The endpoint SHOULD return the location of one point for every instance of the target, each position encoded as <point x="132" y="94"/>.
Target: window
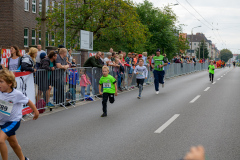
<point x="33" y="37"/>
<point x="39" y="37"/>
<point x="26" y="5"/>
<point x="34" y="6"/>
<point x="53" y="40"/>
<point x="47" y="5"/>
<point x="25" y="37"/>
<point x="40" y="5"/>
<point x="47" y="39"/>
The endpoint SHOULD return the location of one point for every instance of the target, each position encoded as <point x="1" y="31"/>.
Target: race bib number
<point x="6" y="107"/>
<point x="106" y="85"/>
<point x="140" y="73"/>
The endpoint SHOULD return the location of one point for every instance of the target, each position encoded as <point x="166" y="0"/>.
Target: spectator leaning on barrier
<point x="38" y="59"/>
<point x="73" y="80"/>
<point x="93" y="62"/>
<point x="46" y="79"/>
<point x="14" y="62"/>
<point x="158" y="63"/>
<point x="61" y="63"/>
<point x="28" y="60"/>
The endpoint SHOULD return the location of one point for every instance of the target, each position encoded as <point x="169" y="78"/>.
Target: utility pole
<point x="43" y="25"/>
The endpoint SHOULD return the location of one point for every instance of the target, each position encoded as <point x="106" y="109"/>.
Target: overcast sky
<point x="219" y="19"/>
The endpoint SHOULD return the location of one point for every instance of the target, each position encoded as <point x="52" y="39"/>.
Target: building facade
<point x="195" y="41"/>
<point x="18" y="24"/>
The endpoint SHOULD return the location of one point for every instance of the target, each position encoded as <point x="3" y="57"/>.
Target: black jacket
<point x="45" y="64"/>
<point x="27" y="63"/>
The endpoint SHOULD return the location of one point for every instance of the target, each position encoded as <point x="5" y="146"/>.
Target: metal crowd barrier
<point x="63" y="88"/>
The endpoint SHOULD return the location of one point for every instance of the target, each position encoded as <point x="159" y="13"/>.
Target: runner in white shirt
<point x="141" y="72"/>
<point x="11" y="104"/>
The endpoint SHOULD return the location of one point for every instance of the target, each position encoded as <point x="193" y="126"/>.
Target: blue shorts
<point x="10" y="128"/>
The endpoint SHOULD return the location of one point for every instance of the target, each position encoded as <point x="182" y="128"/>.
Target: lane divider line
<point x="214" y="82"/>
<point x="218" y="79"/>
<point x="192" y="101"/>
<point x="207" y="89"/>
<point x="165" y="125"/>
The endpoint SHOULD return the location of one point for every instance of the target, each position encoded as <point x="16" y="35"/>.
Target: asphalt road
<point x="128" y="133"/>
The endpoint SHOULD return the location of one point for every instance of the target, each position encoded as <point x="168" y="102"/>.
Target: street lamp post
<point x="192" y="39"/>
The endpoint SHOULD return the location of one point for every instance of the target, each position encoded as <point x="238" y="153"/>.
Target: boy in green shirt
<point x="109" y="89"/>
<point x="211" y="69"/>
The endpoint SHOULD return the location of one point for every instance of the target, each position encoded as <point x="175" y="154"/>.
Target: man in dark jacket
<point x="94" y="73"/>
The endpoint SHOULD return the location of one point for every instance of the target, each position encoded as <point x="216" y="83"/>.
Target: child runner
<point x="11" y="102"/>
<point x="109" y="84"/>
<point x="211" y="69"/>
<point x="141" y="72"/>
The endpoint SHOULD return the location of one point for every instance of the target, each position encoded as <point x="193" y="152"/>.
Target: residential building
<point x="195" y="41"/>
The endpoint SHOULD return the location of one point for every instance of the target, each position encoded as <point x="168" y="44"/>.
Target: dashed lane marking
<point x="165" y="125"/>
<point x="192" y="101"/>
<point x="207" y="89"/>
<point x="218" y="79"/>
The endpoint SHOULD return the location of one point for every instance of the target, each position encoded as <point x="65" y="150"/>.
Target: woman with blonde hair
<point x="28" y="60"/>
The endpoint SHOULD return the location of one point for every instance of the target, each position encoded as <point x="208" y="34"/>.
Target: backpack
<point x="40" y="105"/>
<point x="19" y="63"/>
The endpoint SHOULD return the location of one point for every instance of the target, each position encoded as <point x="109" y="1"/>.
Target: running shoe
<point x="49" y="104"/>
<point x="27" y="158"/>
<point x="157" y="92"/>
<point x="139" y="97"/>
<point x="104" y="115"/>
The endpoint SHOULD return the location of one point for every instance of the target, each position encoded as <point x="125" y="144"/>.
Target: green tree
<point x="161" y="25"/>
<point x="202" y="47"/>
<point x="183" y="44"/>
<point x="114" y="23"/>
<point x="225" y="55"/>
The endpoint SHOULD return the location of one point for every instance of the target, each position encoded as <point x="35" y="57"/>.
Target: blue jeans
<point x="119" y="80"/>
<point x="83" y="91"/>
<point x="158" y="78"/>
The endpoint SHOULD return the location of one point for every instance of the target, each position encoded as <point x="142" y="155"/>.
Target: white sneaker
<point x="157" y="92"/>
<point x="162" y="85"/>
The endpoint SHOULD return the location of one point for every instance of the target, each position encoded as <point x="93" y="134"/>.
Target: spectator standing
<point x="129" y="62"/>
<point x="107" y="60"/>
<point x="69" y="57"/>
<point x="158" y="63"/>
<point x="73" y="81"/>
<point x="14" y="62"/>
<point x="84" y="82"/>
<point x="28" y="60"/>
<point x="38" y="60"/>
<point x="144" y="57"/>
<point x="101" y="59"/>
<point x="62" y="65"/>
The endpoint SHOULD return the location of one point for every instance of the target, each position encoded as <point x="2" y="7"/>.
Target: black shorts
<point x="140" y="81"/>
<point x="10" y="128"/>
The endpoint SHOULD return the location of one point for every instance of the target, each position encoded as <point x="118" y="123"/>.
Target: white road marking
<point x="192" y="101"/>
<point x="165" y="125"/>
<point x="207" y="89"/>
<point x="218" y="79"/>
<point x="214" y="82"/>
